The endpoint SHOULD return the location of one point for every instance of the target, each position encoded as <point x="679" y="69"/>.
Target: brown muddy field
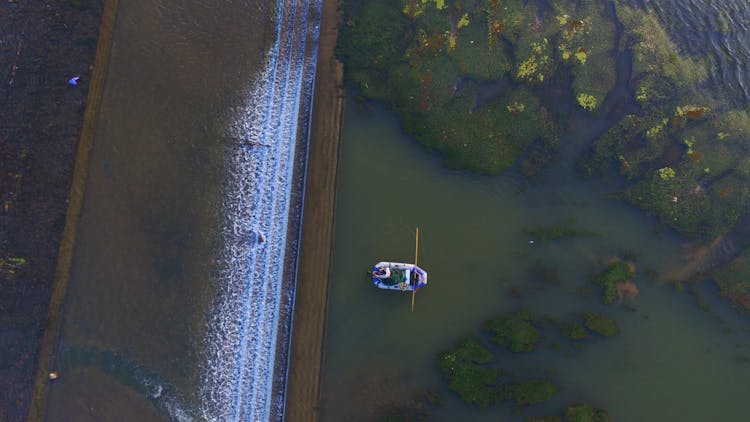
<point x="42" y="45"/>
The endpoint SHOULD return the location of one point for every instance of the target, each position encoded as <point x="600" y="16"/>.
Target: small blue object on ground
<point x="74" y="80"/>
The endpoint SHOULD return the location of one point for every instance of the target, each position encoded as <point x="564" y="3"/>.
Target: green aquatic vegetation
<point x="585" y="413"/>
<point x="572" y="330"/>
<point x="641" y="94"/>
<point x="600" y="324"/>
<point x="517" y="332"/>
<point x="575" y="413"/>
<point x="516" y="107"/>
<point x="465" y="369"/>
<point x="586" y="101"/>
<point x="694" y="202"/>
<point x="700" y="301"/>
<point x="417" y="406"/>
<point x="657" y="131"/>
<point x="689" y="143"/>
<point x="430" y="60"/>
<point x="622" y="145"/>
<point x="743" y="167"/>
<point x="471" y="369"/>
<point x="734" y="281"/>
<point x="666" y="173"/>
<point x="678" y="286"/>
<point x="535" y="67"/>
<point x="486" y="140"/>
<point x="365" y="42"/>
<point x="562" y="229"/>
<point x="615" y="272"/>
<point x="733" y="124"/>
<point x="531" y="392"/>
<point x="681" y="150"/>
<point x="691" y="111"/>
<point x="581" y="55"/>
<point x="662" y="71"/>
<point x="585" y="44"/>
<point x="478" y="57"/>
<point x="415" y="8"/>
<point x="464" y="21"/>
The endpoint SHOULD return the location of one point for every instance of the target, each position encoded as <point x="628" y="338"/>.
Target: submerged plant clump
<point x="417" y="407"/>
<point x="734" y="281"/>
<point x="467" y="367"/>
<point x="527" y="393"/>
<point x="601" y="324"/>
<point x="575" y="413"/>
<point x="516" y="332"/>
<point x="466" y="370"/>
<point x="617" y="272"/>
<point x="573" y="331"/>
<point x="557" y="231"/>
<point x="477" y="371"/>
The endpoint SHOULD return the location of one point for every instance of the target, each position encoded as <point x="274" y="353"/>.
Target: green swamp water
<point x="671" y="361"/>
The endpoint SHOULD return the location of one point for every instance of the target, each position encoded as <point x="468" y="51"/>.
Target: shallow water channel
<point x="671" y="360"/>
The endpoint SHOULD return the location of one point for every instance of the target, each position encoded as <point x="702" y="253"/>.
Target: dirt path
<point x="75" y="204"/>
<point x="303" y="384"/>
<point x="42" y="45"/>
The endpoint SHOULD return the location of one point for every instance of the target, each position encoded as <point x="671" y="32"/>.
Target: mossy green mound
<point x="516" y="332"/>
<point x="601" y="324"/>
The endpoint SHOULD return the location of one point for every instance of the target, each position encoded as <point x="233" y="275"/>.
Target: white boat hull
<point x="403" y="277"/>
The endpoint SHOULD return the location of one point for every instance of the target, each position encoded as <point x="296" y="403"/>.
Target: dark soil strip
<point x="303" y="379"/>
<point x="42" y="45"/>
<point x="75" y="203"/>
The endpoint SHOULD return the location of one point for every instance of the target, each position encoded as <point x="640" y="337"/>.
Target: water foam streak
<point x="241" y="344"/>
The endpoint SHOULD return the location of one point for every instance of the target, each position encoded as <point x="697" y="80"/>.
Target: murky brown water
<point x="141" y="278"/>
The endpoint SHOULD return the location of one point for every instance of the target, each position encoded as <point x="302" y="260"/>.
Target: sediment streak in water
<point x="241" y="344"/>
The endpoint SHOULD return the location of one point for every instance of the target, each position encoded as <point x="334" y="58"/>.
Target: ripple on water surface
<point x="715" y="32"/>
